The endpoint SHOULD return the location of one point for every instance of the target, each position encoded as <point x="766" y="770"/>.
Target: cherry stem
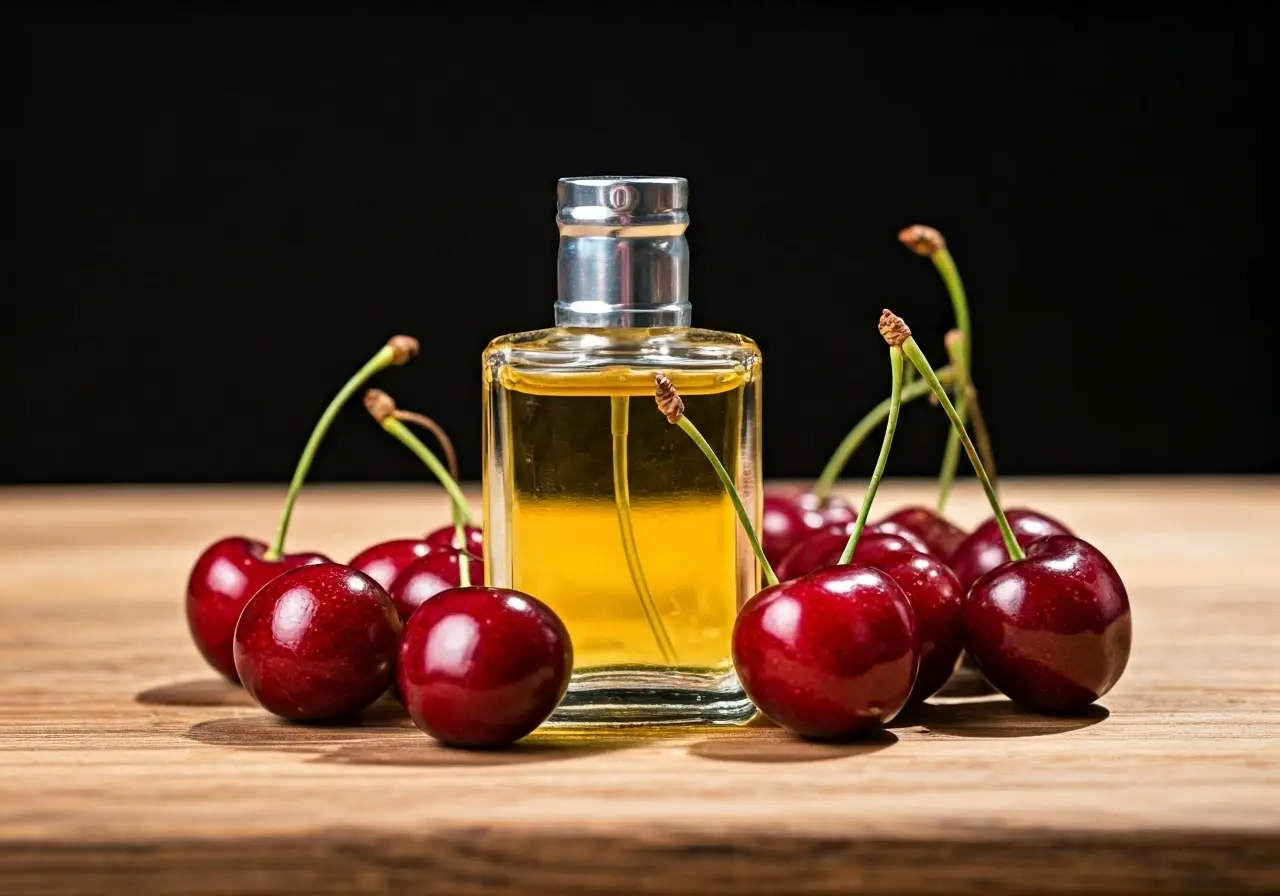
<point x="464" y="558"/>
<point x="385" y="357"/>
<point x="450" y="456"/>
<point x="963" y="364"/>
<point x="895" y="405"/>
<point x="916" y="357"/>
<point x="980" y="434"/>
<point x="864" y="427"/>
<point x="410" y="441"/>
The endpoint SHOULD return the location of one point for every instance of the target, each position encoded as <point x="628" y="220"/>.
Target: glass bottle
<point x="593" y="502"/>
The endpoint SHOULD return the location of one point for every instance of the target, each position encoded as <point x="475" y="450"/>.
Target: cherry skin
<point x="384" y="561"/>
<point x="984" y="549"/>
<point x="427" y="576"/>
<point x="482" y="667"/>
<point x="829" y="655"/>
<point x="936" y="599"/>
<point x="790" y="516"/>
<point x="225" y="577"/>
<point x="942" y="535"/>
<point x="318" y="643"/>
<point x="824" y="547"/>
<point x="443" y="538"/>
<point x="1051" y="631"/>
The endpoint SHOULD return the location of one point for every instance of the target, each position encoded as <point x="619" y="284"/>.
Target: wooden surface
<point x="126" y="766"/>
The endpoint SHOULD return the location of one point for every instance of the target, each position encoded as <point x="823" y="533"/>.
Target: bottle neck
<point x="622" y="277"/>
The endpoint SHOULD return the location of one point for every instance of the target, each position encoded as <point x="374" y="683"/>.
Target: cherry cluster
<point x="311" y="639"/>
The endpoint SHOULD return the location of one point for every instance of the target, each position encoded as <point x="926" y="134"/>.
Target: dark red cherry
<point x="824" y="548"/>
<point x="428" y="576"/>
<point x="482" y="667"/>
<point x="318" y="643"/>
<point x="937" y="600"/>
<point x="225" y="577"/>
<point x="1051" y="631"/>
<point x="384" y="561"/>
<point x="938" y="532"/>
<point x="789" y="516"/>
<point x="443" y="538"/>
<point x="829" y="655"/>
<point x="984" y="549"/>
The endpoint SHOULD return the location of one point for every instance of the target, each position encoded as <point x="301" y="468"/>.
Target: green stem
<point x="895" y="404"/>
<point x="379" y="362"/>
<point x="406" y="437"/>
<point x="916" y="356"/>
<point x="864" y="427"/>
<point x="692" y="431"/>
<point x="620" y="406"/>
<point x="457" y="513"/>
<point x="464" y="558"/>
<point x="946" y="266"/>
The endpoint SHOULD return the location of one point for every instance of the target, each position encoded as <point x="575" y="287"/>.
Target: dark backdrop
<point x="219" y="215"/>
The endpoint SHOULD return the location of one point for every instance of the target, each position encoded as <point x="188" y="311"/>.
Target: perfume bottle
<point x="593" y="502"/>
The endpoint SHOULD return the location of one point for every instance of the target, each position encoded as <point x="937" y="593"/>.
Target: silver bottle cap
<point x="624" y="260"/>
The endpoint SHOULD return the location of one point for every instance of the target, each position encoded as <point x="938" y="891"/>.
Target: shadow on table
<point x="994" y="717"/>
<point x="198" y="692"/>
<point x="777" y="746"/>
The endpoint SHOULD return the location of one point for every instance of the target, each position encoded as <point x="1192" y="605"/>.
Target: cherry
<point x="790" y="516"/>
<point x="825" y="547"/>
<point x="984" y="549"/>
<point x="384" y="561"/>
<point x="1051" y="631"/>
<point x="446" y="537"/>
<point x="225" y="576"/>
<point x="1050" y="627"/>
<point x="317" y="643"/>
<point x="230" y="571"/>
<point x="428" y="576"/>
<point x="938" y="532"/>
<point x="482" y="667"/>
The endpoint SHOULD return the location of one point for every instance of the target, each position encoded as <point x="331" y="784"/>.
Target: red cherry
<point x="984" y="549"/>
<point x="790" y="516"/>
<point x="828" y="655"/>
<point x="938" y="532"/>
<point x="481" y="667"/>
<point x="443" y="538"/>
<point x="317" y="643"/>
<point x="428" y="576"/>
<point x="385" y="560"/>
<point x="1052" y="631"/>
<point x="225" y="577"/>
<point x="824" y="548"/>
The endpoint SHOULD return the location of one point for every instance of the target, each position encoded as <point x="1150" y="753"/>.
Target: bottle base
<point x="618" y="696"/>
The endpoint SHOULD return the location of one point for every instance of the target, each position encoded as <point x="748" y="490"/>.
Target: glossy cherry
<point x="1051" y="631"/>
<point x="824" y="547"/>
<point x="225" y="577"/>
<point x="429" y="575"/>
<point x="318" y="643"/>
<point x="445" y="535"/>
<point x="384" y="561"/>
<point x="790" y="516"/>
<point x="984" y="549"/>
<point x="829" y="655"/>
<point x="482" y="667"/>
<point x="938" y="532"/>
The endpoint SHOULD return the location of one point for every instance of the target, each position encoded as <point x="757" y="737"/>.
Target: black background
<point x="221" y="214"/>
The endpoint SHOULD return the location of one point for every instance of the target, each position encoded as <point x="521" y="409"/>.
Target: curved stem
<point x="963" y="364"/>
<point x="620" y="407"/>
<point x="450" y="456"/>
<point x="983" y="437"/>
<point x="383" y="359"/>
<point x="913" y="353"/>
<point x="951" y="453"/>
<point x="406" y="437"/>
<point x="692" y="431"/>
<point x="895" y="404"/>
<point x="864" y="427"/>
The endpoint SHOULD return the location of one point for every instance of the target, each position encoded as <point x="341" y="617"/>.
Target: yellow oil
<point x="566" y="537"/>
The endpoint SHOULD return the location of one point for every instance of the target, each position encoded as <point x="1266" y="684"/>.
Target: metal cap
<point x="620" y="201"/>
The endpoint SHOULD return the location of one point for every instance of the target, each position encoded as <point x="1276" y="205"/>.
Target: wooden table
<point x="126" y="765"/>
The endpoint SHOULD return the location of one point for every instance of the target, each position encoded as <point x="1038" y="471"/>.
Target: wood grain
<point x="126" y="766"/>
